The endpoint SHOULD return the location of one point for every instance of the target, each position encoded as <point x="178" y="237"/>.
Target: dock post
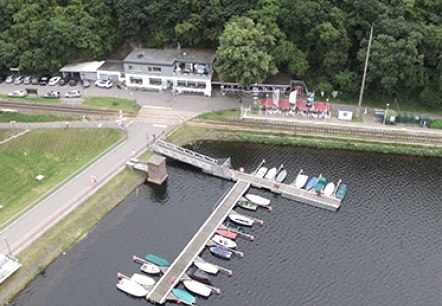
<point x="156" y="169"/>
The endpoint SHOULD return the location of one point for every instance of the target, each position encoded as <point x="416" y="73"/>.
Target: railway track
<point x="405" y="136"/>
<point x="66" y="109"/>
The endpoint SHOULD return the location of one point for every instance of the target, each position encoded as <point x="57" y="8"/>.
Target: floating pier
<point x="196" y="245"/>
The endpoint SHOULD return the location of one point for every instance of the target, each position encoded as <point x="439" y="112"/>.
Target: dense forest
<point x="321" y="41"/>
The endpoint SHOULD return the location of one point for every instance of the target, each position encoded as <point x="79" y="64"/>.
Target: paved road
<point x="36" y="221"/>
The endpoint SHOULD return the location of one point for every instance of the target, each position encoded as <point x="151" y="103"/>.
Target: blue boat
<point x="184" y="296"/>
<point x="311" y="183"/>
<point x="221" y="253"/>
<point x="159" y="261"/>
<point x="342" y="191"/>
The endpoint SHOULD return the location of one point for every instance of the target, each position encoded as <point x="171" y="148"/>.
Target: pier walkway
<point x="222" y="169"/>
<point x="176" y="271"/>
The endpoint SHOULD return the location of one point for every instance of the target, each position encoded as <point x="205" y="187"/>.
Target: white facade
<point x="345" y="114"/>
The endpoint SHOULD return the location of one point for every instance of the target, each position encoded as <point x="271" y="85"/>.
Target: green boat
<point x="235" y="227"/>
<point x="320" y="184"/>
<point x="342" y="191"/>
<point x="159" y="261"/>
<point x="247" y="205"/>
<point x="184" y="296"/>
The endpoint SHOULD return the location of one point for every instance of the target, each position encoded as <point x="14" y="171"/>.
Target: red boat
<point x="227" y="234"/>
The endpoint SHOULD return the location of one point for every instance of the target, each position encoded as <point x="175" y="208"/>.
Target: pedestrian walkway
<point x="163" y="115"/>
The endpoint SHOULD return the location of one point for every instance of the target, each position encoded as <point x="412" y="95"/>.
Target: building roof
<point x="82" y="67"/>
<point x="169" y="56"/>
<point x="111" y="65"/>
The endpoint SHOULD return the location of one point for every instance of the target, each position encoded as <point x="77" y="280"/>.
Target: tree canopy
<point x="321" y="41"/>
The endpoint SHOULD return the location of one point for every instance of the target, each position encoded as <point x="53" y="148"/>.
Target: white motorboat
<point x="329" y="189"/>
<point x="197" y="287"/>
<point x="301" y="180"/>
<point x="143" y="280"/>
<point x="261" y="172"/>
<point x="271" y="174"/>
<point x="225" y="242"/>
<point x="132" y="287"/>
<point x="257" y="199"/>
<point x="206" y="267"/>
<point x="242" y="220"/>
<point x="150" y="268"/>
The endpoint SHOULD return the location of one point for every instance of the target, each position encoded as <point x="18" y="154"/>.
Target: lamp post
<point x="385" y="112"/>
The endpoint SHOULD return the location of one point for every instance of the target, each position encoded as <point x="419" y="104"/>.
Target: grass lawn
<point x="30" y="99"/>
<point x="112" y="103"/>
<point x="4" y="134"/>
<point x="56" y="154"/>
<point x="22" y="117"/>
<point x="221" y="114"/>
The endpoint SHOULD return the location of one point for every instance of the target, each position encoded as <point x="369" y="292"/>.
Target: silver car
<point x="72" y="94"/>
<point x="18" y="94"/>
<point x="18" y="80"/>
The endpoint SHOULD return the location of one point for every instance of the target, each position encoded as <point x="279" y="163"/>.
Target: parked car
<point x="104" y="83"/>
<point x="73" y="81"/>
<point x="86" y="83"/>
<point x="18" y="94"/>
<point x="10" y="79"/>
<point x="65" y="80"/>
<point x="73" y="94"/>
<point x="54" y="81"/>
<point x="43" y="81"/>
<point x="27" y="80"/>
<point x="35" y="80"/>
<point x="19" y="80"/>
<point x="52" y="94"/>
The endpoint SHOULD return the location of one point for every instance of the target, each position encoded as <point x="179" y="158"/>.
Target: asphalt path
<point x="17" y="235"/>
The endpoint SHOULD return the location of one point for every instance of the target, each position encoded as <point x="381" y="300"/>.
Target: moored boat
<point x="257" y="199"/>
<point x="224" y="242"/>
<point x="261" y="172"/>
<point x="270" y="175"/>
<point x="235" y="227"/>
<point x="206" y="267"/>
<point x="300" y="180"/>
<point x="184" y="296"/>
<point x="150" y="268"/>
<point x="220" y="252"/>
<point x="131" y="287"/>
<point x="143" y="280"/>
<point x="311" y="183"/>
<point x="341" y="192"/>
<point x="199" y="275"/>
<point x="247" y="205"/>
<point x="281" y="176"/>
<point x="227" y="234"/>
<point x="157" y="260"/>
<point x="320" y="185"/>
<point x="197" y="287"/>
<point x="242" y="220"/>
<point x="329" y="189"/>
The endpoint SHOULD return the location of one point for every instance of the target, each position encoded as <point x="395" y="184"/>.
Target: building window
<point x="135" y="81"/>
<point x="129" y="67"/>
<point x="155" y="81"/>
<point x="153" y="69"/>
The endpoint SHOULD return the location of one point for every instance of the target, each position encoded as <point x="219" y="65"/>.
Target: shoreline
<point x="77" y="225"/>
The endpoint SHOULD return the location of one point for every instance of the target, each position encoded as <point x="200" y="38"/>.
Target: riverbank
<point x="200" y="131"/>
<point x="69" y="231"/>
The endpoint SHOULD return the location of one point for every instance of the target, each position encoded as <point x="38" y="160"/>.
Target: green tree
<point x="243" y="53"/>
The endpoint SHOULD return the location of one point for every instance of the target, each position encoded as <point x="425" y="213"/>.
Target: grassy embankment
<point x="56" y="154"/>
<point x="6" y="117"/>
<point x="108" y="103"/>
<point x="196" y="133"/>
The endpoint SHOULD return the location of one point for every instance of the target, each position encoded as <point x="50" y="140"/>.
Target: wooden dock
<point x="185" y="259"/>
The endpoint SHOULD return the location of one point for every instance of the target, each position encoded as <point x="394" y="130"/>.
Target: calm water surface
<point x="383" y="247"/>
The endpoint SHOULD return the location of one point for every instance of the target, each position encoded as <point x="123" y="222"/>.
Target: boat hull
<point x="281" y="176"/>
<point x="131" y="287"/>
<point x="311" y="183"/>
<point x="150" y="269"/>
<point x="206" y="267"/>
<point x="221" y="253"/>
<point x="197" y="288"/>
<point x="241" y="220"/>
<point x="301" y="180"/>
<point x="157" y="260"/>
<point x="329" y="189"/>
<point x="224" y="242"/>
<point x="227" y="234"/>
<point x="199" y="276"/>
<point x="257" y="199"/>
<point x="271" y="174"/>
<point x="261" y="172"/>
<point x="247" y="205"/>
<point x="184" y="296"/>
<point x="342" y="191"/>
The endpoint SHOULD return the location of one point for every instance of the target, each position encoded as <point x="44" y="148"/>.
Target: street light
<point x="385" y="112"/>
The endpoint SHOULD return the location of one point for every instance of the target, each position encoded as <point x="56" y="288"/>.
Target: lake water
<point x="383" y="247"/>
